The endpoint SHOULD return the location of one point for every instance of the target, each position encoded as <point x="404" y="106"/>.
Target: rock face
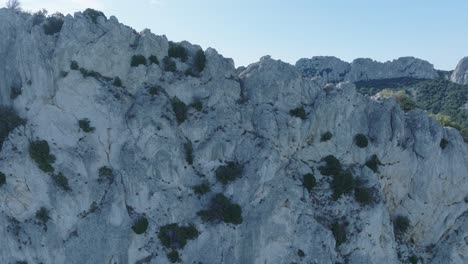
<point x="419" y="171"/>
<point x="332" y="69"/>
<point x="460" y="74"/>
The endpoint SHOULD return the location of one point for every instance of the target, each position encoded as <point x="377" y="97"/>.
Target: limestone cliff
<point x="128" y="139"/>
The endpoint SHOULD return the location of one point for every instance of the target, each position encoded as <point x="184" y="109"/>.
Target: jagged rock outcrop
<point x="460" y="74"/>
<point x="139" y="132"/>
<point x="332" y="69"/>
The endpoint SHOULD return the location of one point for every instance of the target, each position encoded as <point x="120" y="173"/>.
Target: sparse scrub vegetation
<point x="326" y="136"/>
<point x="298" y="112"/>
<point x="155" y="90"/>
<point x="332" y="166"/>
<point x="197" y="105"/>
<point x="39" y="152"/>
<point x="221" y="209"/>
<point x="401" y="97"/>
<point x="153" y="59"/>
<point x="443" y="143"/>
<point x="188" y="149"/>
<point x="309" y="181"/>
<point x="202" y="188"/>
<point x="93" y="14"/>
<point x="200" y="61"/>
<point x="61" y="181"/>
<point x="229" y="172"/>
<point x="173" y="236"/>
<point x="339" y="232"/>
<point x="15" y="91"/>
<point x="140" y="226"/>
<point x="2" y="179"/>
<point x="361" y="140"/>
<point x="138" y="60"/>
<point x="401" y="225"/>
<point x="106" y="174"/>
<point x="42" y="215"/>
<point x="74" y="66"/>
<point x="10" y="121"/>
<point x="177" y="51"/>
<point x="169" y="64"/>
<point x="364" y="195"/>
<point x="117" y="82"/>
<point x="343" y="183"/>
<point x="85" y="125"/>
<point x="53" y="24"/>
<point x="173" y="256"/>
<point x="180" y="110"/>
<point x="373" y="163"/>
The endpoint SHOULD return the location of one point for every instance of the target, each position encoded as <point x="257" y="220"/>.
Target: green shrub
<point x="74" y="66"/>
<point x="339" y="232"/>
<point x="173" y="256"/>
<point x="93" y="14"/>
<point x="169" y="64"/>
<point x="155" y="90"/>
<point x="85" y="125"/>
<point x="364" y="195"/>
<point x="15" y="91"/>
<point x="401" y="97"/>
<point x="298" y="112"/>
<point x="138" y="60"/>
<point x="39" y="17"/>
<point x="9" y="121"/>
<point x="222" y="209"/>
<point x="190" y="72"/>
<point x="401" y="224"/>
<point x="197" y="105"/>
<point x="443" y="143"/>
<point x="361" y="140"/>
<point x="106" y="174"/>
<point x="180" y="110"/>
<point x="229" y="172"/>
<point x="300" y="253"/>
<point x="140" y="226"/>
<point x="61" y="181"/>
<point x="343" y="183"/>
<point x="153" y="59"/>
<point x="332" y="166"/>
<point x="413" y="259"/>
<point x="326" y="136"/>
<point x="202" y="188"/>
<point x="373" y="163"/>
<point x="177" y="51"/>
<point x="39" y="152"/>
<point x="42" y="215"/>
<point x="53" y="24"/>
<point x="309" y="181"/>
<point x="2" y="179"/>
<point x="174" y="236"/>
<point x="63" y="74"/>
<point x="117" y="82"/>
<point x="188" y="149"/>
<point x="200" y="61"/>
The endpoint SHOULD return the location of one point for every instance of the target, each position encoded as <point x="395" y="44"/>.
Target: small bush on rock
<point x="339" y="232"/>
<point x="343" y="183"/>
<point x="197" y="105"/>
<point x="202" y="188"/>
<point x="138" y="60"/>
<point x="326" y="136"/>
<point x="15" y="91"/>
<point x="300" y="253"/>
<point x="85" y="125"/>
<point x="169" y="64"/>
<point x="298" y="112"/>
<point x="229" y="172"/>
<point x="39" y="152"/>
<point x="2" y="179"/>
<point x="117" y="82"/>
<point x="177" y="51"/>
<point x="39" y="17"/>
<point x="361" y="140"/>
<point x="443" y="143"/>
<point x="173" y="256"/>
<point x="155" y="90"/>
<point x="222" y="209"/>
<point x="413" y="259"/>
<point x="74" y="66"/>
<point x="200" y="61"/>
<point x="153" y="59"/>
<point x="106" y="174"/>
<point x="140" y="226"/>
<point x="309" y="181"/>
<point x="93" y="14"/>
<point x="332" y="166"/>
<point x="364" y="195"/>
<point x="53" y="24"/>
<point x="42" y="215"/>
<point x="401" y="224"/>
<point x="188" y="149"/>
<point x="9" y="121"/>
<point x="373" y="163"/>
<point x="61" y="181"/>
<point x="180" y="110"/>
<point x="174" y="236"/>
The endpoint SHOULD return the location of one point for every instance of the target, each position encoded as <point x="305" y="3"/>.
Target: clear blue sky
<point x="245" y="30"/>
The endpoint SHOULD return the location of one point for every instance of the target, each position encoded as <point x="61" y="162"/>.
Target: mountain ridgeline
<point x="119" y="146"/>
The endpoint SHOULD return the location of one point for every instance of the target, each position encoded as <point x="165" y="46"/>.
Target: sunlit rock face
<point x="267" y="118"/>
<point x="460" y="74"/>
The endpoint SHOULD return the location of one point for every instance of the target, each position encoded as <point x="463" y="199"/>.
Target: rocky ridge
<point x="267" y="118"/>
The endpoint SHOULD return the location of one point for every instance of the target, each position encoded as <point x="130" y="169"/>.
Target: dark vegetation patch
<point x="153" y="59"/>
<point x="93" y="14"/>
<point x="229" y="172"/>
<point x="177" y="51"/>
<point x="105" y="174"/>
<point x="373" y="163"/>
<point x="309" y="181"/>
<point x="197" y="105"/>
<point x="188" y="150"/>
<point x="53" y="24"/>
<point x="200" y="61"/>
<point x="342" y="184"/>
<point x="173" y="236"/>
<point x="9" y="121"/>
<point x="332" y="166"/>
<point x="39" y="151"/>
<point x="155" y="90"/>
<point x="221" y="209"/>
<point x="74" y="66"/>
<point x="202" y="188"/>
<point x="298" y="112"/>
<point x="169" y="64"/>
<point x="117" y="82"/>
<point x="401" y="225"/>
<point x="339" y="232"/>
<point x="361" y="140"/>
<point x="42" y="215"/>
<point x="2" y="179"/>
<point x="326" y="136"/>
<point x="140" y="225"/>
<point x="61" y="181"/>
<point x="15" y="91"/>
<point x="138" y="60"/>
<point x="85" y="125"/>
<point x="443" y="143"/>
<point x="180" y="110"/>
